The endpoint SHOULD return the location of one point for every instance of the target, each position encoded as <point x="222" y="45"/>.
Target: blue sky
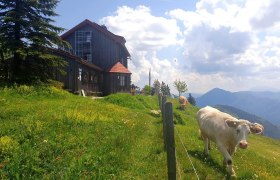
<point x="230" y="44"/>
<point x="96" y="9"/>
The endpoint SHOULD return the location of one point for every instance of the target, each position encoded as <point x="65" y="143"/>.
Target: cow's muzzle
<point x="243" y="145"/>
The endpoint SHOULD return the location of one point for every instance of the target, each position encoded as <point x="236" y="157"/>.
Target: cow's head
<point x="240" y="131"/>
<point x="255" y="128"/>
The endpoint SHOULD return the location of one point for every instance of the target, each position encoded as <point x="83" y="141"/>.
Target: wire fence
<point x="188" y="156"/>
<point x="178" y="167"/>
<point x="169" y="143"/>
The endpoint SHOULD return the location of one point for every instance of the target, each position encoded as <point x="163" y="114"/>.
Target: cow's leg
<point x="206" y="147"/>
<point x="230" y="151"/>
<point x="225" y="163"/>
<point x="227" y="159"/>
<point x="206" y="143"/>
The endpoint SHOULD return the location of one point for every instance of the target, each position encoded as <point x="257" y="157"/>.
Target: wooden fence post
<point x="170" y="143"/>
<point x="163" y="101"/>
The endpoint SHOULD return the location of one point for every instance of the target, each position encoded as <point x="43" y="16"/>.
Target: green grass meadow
<point x="47" y="133"/>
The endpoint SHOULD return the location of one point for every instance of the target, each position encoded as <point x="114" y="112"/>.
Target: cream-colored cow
<point x="226" y="131"/>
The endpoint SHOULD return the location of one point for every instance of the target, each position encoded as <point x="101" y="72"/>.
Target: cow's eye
<point x="237" y="131"/>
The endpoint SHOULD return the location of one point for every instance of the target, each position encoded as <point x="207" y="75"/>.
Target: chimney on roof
<point x="104" y="27"/>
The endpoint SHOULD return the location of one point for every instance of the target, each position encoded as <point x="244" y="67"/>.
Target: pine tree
<point x="168" y="91"/>
<point x="3" y="64"/>
<point x="191" y="100"/>
<point x="165" y="90"/>
<point x="162" y="88"/>
<point x="156" y="87"/>
<point x="27" y="32"/>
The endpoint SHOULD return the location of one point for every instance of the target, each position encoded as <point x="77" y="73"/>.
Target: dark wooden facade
<point x="117" y="78"/>
<point x="113" y="82"/>
<point x="106" y="48"/>
<point x="94" y="51"/>
<point x="80" y="74"/>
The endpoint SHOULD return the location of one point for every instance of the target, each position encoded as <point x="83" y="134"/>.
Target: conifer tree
<point x="168" y="91"/>
<point x="165" y="90"/>
<point x="156" y="87"/>
<point x="27" y="32"/>
<point x="162" y="88"/>
<point x="191" y="100"/>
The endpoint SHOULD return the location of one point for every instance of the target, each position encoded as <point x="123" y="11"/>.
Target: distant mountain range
<point x="269" y="129"/>
<point x="263" y="104"/>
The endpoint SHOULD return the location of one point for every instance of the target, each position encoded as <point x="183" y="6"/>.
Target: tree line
<point x="163" y="88"/>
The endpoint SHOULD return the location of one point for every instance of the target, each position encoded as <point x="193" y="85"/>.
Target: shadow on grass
<point x="210" y="162"/>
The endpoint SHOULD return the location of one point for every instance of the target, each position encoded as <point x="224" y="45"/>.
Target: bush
<point x="24" y="90"/>
<point x="178" y="119"/>
<point x="57" y="84"/>
<point x="7" y="146"/>
<point x="39" y="89"/>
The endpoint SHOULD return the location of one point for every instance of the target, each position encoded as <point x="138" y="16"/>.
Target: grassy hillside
<point x="48" y="133"/>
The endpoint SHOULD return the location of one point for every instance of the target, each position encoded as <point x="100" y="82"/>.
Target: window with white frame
<point x="83" y="45"/>
<point x="122" y="80"/>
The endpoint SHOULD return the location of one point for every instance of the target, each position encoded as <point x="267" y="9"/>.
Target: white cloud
<point x="231" y="44"/>
<point x="268" y="14"/>
<point x="145" y="35"/>
<point x="211" y="50"/>
<point x="239" y="15"/>
<point x="142" y="30"/>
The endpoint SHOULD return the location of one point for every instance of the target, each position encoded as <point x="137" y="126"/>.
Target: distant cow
<point x="183" y="102"/>
<point x="226" y="131"/>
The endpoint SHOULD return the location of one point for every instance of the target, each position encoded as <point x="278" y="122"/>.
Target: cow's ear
<point x="232" y="123"/>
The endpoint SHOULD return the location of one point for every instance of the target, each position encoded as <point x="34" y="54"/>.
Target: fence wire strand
<point x="177" y="164"/>
<point x="187" y="153"/>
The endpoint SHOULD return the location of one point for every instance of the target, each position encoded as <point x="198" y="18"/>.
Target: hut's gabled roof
<point x="118" y="39"/>
<point x="119" y="68"/>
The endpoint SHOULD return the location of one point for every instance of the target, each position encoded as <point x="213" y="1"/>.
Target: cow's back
<point x="212" y="122"/>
